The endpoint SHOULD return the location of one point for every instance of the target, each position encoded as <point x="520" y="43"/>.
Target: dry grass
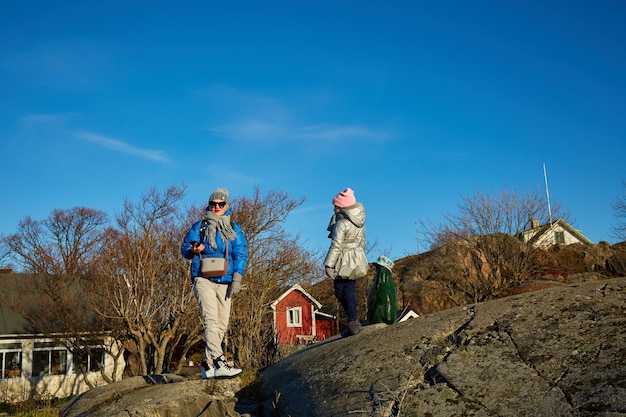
<point x="33" y="408"/>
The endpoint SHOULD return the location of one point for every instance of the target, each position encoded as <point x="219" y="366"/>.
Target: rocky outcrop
<point x="157" y="396"/>
<point x="554" y="352"/>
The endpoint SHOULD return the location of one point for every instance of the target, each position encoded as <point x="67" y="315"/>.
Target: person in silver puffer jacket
<point x="346" y="260"/>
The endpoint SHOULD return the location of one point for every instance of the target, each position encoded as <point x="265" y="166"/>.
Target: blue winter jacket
<point x="237" y="252"/>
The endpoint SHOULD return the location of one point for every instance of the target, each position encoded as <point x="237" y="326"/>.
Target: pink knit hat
<point x="345" y="198"/>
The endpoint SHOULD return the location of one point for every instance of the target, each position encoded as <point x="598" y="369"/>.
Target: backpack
<point x="382" y="303"/>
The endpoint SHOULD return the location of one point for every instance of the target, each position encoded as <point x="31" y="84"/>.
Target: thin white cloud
<point x="122" y="147"/>
<point x="252" y="117"/>
<point x="43" y="120"/>
<point x="332" y="132"/>
<point x="36" y="119"/>
<point x="308" y="209"/>
<point x="256" y="130"/>
<point x="251" y="130"/>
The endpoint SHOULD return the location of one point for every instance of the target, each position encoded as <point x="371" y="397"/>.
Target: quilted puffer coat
<point x="237" y="252"/>
<point x="347" y="249"/>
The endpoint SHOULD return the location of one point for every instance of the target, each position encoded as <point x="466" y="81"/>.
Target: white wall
<point x="548" y="238"/>
<point x="28" y="386"/>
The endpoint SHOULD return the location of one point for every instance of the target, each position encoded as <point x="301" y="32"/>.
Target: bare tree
<point x="62" y="245"/>
<point x="276" y="261"/>
<point x="5" y="253"/>
<point x="618" y="230"/>
<point x="58" y="254"/>
<point x="144" y="282"/>
<point x="131" y="280"/>
<point x="507" y="211"/>
<point x="484" y="233"/>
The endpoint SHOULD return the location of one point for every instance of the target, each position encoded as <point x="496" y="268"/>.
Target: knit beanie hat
<point x="220" y="194"/>
<point x="384" y="261"/>
<point x="345" y="198"/>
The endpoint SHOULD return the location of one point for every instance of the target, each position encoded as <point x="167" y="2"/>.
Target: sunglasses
<point x="220" y="204"/>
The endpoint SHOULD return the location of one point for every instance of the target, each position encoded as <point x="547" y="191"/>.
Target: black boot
<point x="354" y="327"/>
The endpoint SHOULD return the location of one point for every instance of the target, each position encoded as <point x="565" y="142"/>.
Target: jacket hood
<point x="355" y="213"/>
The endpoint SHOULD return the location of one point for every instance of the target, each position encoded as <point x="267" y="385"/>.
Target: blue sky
<point x="411" y="103"/>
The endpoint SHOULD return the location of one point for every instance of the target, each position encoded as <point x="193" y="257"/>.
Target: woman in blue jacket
<point x="216" y="237"/>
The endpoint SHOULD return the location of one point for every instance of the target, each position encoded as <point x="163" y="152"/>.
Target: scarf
<point x="218" y="223"/>
<point x="333" y="220"/>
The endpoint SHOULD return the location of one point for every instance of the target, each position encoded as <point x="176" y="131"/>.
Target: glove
<point x="330" y="272"/>
<point x="235" y="287"/>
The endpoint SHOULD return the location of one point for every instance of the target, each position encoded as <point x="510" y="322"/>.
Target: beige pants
<point x="215" y="309"/>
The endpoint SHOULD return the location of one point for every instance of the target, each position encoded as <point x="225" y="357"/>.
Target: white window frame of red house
<point x="294" y="321"/>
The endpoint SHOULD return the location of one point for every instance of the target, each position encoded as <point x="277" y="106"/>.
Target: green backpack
<point x="382" y="306"/>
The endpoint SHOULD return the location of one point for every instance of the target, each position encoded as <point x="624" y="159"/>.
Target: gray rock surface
<point x="157" y="396"/>
<point x="554" y="352"/>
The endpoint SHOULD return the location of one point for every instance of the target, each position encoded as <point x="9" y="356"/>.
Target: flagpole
<point x="545" y="176"/>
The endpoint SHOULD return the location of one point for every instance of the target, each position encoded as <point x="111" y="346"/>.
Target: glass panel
<point x="80" y="359"/>
<point x="59" y="362"/>
<point x="97" y="359"/>
<point x="44" y="345"/>
<point x="89" y="360"/>
<point x="559" y="237"/>
<point x="41" y="363"/>
<point x="10" y="346"/>
<point x="293" y="317"/>
<point x="11" y="364"/>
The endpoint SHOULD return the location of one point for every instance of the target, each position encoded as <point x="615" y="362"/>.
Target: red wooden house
<point x="297" y="318"/>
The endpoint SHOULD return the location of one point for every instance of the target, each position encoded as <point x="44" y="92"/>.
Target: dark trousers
<point x="345" y="290"/>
